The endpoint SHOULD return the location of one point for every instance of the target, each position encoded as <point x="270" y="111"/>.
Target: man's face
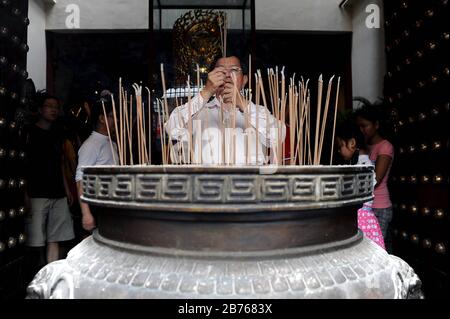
<point x="49" y="110"/>
<point x="231" y="67"/>
<point x="111" y="123"/>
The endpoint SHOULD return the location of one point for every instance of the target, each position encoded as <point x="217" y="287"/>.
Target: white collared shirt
<point x="208" y="138"/>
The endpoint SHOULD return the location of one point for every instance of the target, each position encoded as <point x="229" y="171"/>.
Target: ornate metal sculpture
<point x="224" y="232"/>
<point x="196" y="40"/>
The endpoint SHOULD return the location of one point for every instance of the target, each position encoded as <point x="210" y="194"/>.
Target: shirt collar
<point x="95" y="133"/>
<point x="213" y="103"/>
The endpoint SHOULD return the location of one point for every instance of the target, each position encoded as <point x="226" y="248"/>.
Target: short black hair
<point x="41" y="97"/>
<point x="97" y="109"/>
<point x="368" y="113"/>
<point x="242" y="61"/>
<point x="347" y="130"/>
<point x="374" y="112"/>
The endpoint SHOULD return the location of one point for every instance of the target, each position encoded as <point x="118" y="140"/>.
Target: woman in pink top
<point x="381" y="153"/>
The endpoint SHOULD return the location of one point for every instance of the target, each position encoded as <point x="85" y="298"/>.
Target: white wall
<point x="119" y="14"/>
<point x="368" y="56"/>
<point x="37" y="56"/>
<point x="101" y="14"/>
<point x="317" y="15"/>
<point x="368" y="59"/>
<point x="323" y="15"/>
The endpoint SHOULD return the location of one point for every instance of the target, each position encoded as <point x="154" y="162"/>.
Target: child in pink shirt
<point x="351" y="147"/>
<point x="381" y="153"/>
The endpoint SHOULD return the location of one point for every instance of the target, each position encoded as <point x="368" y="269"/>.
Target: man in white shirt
<point x="96" y="150"/>
<point x="212" y="120"/>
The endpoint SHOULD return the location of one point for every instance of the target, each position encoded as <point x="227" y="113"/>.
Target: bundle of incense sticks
<point x="131" y="125"/>
<point x="289" y="104"/>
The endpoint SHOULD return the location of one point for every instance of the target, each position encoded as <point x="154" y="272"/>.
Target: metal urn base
<point x="204" y="232"/>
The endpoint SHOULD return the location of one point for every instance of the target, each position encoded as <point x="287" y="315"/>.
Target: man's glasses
<point x="49" y="106"/>
<point x="235" y="70"/>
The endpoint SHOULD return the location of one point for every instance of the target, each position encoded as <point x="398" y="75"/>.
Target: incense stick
<point x="324" y="122"/>
<point x="221" y="33"/>
<point x="199" y="141"/>
<point x="319" y="106"/>
<point x="162" y="132"/>
<point x="120" y="132"/>
<point x="128" y="127"/>
<point x="191" y="148"/>
<point x="115" y="125"/>
<point x="166" y="109"/>
<point x="233" y="108"/>
<point x="308" y="103"/>
<point x="258" y="94"/>
<point x="222" y="131"/>
<point x="149" y="127"/>
<point x="109" y="133"/>
<point x="225" y="35"/>
<point x="294" y="124"/>
<point x="138" y="122"/>
<point x="334" y="121"/>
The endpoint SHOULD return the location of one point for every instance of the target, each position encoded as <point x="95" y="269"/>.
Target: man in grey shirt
<point x="96" y="150"/>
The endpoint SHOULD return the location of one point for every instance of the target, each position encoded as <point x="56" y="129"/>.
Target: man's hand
<point x="69" y="198"/>
<point x="216" y="79"/>
<point x="88" y="221"/>
<point x="231" y="94"/>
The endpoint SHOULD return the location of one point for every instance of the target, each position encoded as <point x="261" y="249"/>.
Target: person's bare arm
<point x="87" y="220"/>
<point x="381" y="167"/>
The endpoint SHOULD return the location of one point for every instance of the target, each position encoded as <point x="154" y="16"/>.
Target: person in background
<point x="369" y="118"/>
<point x="351" y="147"/>
<point x="47" y="197"/>
<point x="96" y="150"/>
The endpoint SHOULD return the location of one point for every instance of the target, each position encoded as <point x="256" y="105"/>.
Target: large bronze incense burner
<point x="227" y="232"/>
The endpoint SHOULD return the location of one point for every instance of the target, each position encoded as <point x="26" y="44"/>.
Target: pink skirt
<point x="368" y="223"/>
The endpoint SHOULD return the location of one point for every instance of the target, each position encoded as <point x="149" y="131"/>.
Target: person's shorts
<point x="49" y="221"/>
